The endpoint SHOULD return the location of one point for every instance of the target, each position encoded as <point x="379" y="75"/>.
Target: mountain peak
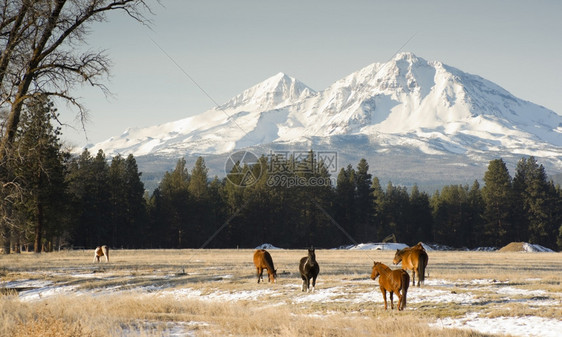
<point x="275" y="92"/>
<point x="406" y="55"/>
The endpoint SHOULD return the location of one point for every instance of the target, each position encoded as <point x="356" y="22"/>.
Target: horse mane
<point x="383" y="266"/>
<point x="268" y="261"/>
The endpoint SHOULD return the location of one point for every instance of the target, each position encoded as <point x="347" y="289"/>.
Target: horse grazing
<point x="309" y="269"/>
<point x="393" y="281"/>
<point x="101" y="251"/>
<point x="263" y="260"/>
<point x="414" y="258"/>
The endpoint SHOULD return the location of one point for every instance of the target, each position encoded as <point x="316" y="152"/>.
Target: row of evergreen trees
<point x="86" y="201"/>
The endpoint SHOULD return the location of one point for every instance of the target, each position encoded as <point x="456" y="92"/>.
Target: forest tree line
<point x="87" y="200"/>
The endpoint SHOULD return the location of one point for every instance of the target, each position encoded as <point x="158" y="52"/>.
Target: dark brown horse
<point x="393" y="281"/>
<point x="263" y="260"/>
<point x="413" y="258"/>
<point x="309" y="269"/>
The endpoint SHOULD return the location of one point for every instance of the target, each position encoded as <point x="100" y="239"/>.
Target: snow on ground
<point x="524" y="247"/>
<point x="267" y="246"/>
<point x="376" y="246"/>
<point x="529" y="247"/>
<point x="433" y="292"/>
<point x="516" y="326"/>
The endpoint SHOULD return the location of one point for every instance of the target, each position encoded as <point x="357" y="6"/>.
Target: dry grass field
<point x="215" y="292"/>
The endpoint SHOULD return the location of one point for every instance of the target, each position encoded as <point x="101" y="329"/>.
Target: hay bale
<point x="512" y="247"/>
<point x="524" y="247"/>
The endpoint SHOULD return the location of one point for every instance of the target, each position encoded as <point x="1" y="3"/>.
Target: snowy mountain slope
<point x="246" y="119"/>
<point x="419" y="106"/>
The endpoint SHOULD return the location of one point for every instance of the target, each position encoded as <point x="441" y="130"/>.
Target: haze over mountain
<point x="414" y="120"/>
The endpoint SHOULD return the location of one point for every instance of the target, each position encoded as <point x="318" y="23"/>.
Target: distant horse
<point x="393" y="281"/>
<point x="414" y="258"/>
<point x="309" y="269"/>
<point x="101" y="251"/>
<point x="263" y="260"/>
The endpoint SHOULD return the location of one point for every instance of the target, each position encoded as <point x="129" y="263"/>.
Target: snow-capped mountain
<point x="406" y="105"/>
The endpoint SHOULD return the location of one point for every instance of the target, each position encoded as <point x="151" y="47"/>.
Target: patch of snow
<point x="516" y="326"/>
<point x="321" y="295"/>
<point x="223" y="296"/>
<point x="41" y="293"/>
<point x="267" y="246"/>
<point x="421" y="294"/>
<point x="485" y="249"/>
<point x="529" y="247"/>
<point x="376" y="246"/>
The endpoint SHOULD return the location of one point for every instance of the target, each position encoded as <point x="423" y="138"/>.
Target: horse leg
<point x="414" y="277"/>
<point x="313" y="283"/>
<point x="383" y="291"/>
<point x="391" y="300"/>
<point x="259" y="273"/>
<point x="304" y="283"/>
<point x="399" y="300"/>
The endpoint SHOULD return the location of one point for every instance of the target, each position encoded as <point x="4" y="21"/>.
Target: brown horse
<point x="263" y="260"/>
<point x="394" y="281"/>
<point x="414" y="258"/>
<point x="101" y="251"/>
<point x="309" y="269"/>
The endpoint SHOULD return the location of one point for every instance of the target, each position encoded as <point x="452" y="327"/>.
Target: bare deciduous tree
<point x="39" y="40"/>
<point x="40" y="55"/>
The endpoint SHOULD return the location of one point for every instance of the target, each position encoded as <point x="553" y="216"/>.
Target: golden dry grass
<point x="212" y="292"/>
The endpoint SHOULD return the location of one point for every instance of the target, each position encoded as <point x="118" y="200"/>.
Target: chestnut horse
<point x="263" y="260"/>
<point x="101" y="251"/>
<point x="393" y="281"/>
<point x="309" y="269"/>
<point x="414" y="258"/>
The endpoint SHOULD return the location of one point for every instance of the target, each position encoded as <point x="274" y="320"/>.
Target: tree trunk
<point x="6" y="235"/>
<point x="38" y="229"/>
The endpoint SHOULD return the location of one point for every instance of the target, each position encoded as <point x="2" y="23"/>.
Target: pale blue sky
<point x="227" y="46"/>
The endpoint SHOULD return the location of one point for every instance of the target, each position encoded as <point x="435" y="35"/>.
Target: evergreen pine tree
<point x="174" y="189"/>
<point x="345" y="208"/>
<point x="498" y="196"/>
<point x="40" y="171"/>
<point x="378" y="207"/>
<point x="363" y="200"/>
<point x="536" y="199"/>
<point x="475" y="215"/>
<point x="422" y="218"/>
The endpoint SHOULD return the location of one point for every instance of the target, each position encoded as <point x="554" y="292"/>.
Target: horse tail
<point x="422" y="262"/>
<point x="405" y="285"/>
